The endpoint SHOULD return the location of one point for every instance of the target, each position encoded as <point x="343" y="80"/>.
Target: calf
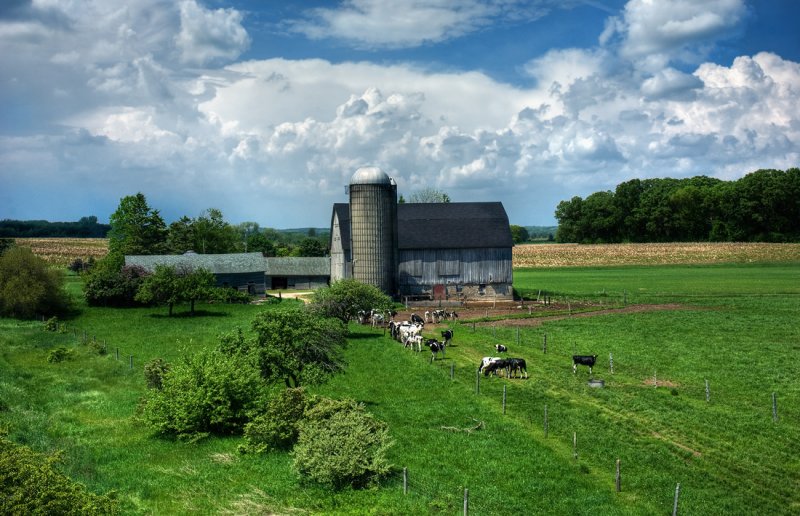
<point x="500" y="348"/>
<point x="587" y="360"/>
<point x="436" y="347"/>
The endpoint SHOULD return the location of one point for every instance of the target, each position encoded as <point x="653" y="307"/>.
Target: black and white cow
<point x="518" y="365"/>
<point x="417" y="319"/>
<point x="587" y="360"/>
<point x="485" y="361"/>
<point x="496" y="366"/>
<point x="436" y="347"/>
<point x="447" y="335"/>
<point x="500" y="348"/>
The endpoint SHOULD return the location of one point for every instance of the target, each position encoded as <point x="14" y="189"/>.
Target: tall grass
<point x="735" y="328"/>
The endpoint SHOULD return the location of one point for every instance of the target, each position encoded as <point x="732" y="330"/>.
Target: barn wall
<point x="242" y="279"/>
<point x="302" y="282"/>
<point x="428" y="267"/>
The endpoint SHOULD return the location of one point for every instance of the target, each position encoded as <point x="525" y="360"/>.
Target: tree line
<point x="86" y="227"/>
<point x="763" y="206"/>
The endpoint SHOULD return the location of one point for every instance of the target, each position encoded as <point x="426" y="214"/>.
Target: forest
<point x="763" y="206"/>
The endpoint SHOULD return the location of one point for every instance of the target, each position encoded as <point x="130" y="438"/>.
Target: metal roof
<point x="370" y="176"/>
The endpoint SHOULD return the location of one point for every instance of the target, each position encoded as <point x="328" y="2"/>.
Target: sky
<point x="265" y="109"/>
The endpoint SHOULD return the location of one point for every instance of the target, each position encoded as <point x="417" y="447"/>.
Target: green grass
<point x="737" y="329"/>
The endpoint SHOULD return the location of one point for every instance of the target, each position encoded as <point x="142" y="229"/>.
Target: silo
<point x="373" y="228"/>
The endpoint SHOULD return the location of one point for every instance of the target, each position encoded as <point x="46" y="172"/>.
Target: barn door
<point x="439" y="293"/>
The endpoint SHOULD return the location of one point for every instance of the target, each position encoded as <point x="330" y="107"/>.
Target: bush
<point x="341" y="444"/>
<point x="52" y="325"/>
<point x="110" y="283"/>
<point x="232" y="296"/>
<point x="60" y="354"/>
<point x="345" y="298"/>
<point x="154" y="372"/>
<point x="277" y="428"/>
<point x="29" y="287"/>
<point x="30" y="484"/>
<point x="207" y="393"/>
<point x="98" y="347"/>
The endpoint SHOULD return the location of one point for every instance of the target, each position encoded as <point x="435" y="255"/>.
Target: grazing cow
<point x="518" y="365"/>
<point x="447" y="335"/>
<point x="500" y="348"/>
<point x="427" y="316"/>
<point x="438" y="315"/>
<point x="486" y="361"/>
<point x="496" y="366"/>
<point x="413" y="341"/>
<point x="587" y="360"/>
<point x="436" y="347"/>
<point x="417" y="319"/>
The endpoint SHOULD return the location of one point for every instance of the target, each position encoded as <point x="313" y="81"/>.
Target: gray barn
<point x="445" y="251"/>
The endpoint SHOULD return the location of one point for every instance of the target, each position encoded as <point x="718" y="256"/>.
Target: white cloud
<point x="207" y="35"/>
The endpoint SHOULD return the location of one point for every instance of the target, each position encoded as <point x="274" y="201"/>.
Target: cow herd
<point x="409" y="333"/>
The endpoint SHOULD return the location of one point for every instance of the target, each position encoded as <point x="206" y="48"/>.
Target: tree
<point x="519" y="234"/>
<point x="181" y="236"/>
<point x="341" y="444"/>
<point x="29" y="287"/>
<point x="212" y="234"/>
<point x="136" y="229"/>
<point x="160" y="288"/>
<point x="311" y="247"/>
<point x="111" y="283"/>
<point x="6" y="243"/>
<point x="196" y="285"/>
<point x="429" y="195"/>
<point x="345" y="298"/>
<point x="298" y="346"/>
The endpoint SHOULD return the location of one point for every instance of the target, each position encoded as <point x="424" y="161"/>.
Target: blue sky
<point x="264" y="110"/>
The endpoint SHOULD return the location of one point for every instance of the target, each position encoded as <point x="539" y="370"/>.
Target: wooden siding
<point x="454" y="266"/>
<point x="242" y="280"/>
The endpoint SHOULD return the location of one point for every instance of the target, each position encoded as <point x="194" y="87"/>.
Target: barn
<point x="439" y="251"/>
<point x="243" y="271"/>
<point x="300" y="273"/>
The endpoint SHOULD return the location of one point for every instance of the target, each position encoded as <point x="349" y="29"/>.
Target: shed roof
<point x="215" y="263"/>
<point x="298" y="266"/>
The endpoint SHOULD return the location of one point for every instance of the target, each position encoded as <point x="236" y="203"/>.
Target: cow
<point x="417" y="319"/>
<point x="435" y="347"/>
<point x="518" y="365"/>
<point x="587" y="360"/>
<point x="500" y="348"/>
<point x="486" y="361"/>
<point x="447" y="335"/>
<point x="496" y="366"/>
<point x="413" y="340"/>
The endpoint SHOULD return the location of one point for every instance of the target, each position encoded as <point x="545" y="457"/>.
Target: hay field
<point x="580" y="255"/>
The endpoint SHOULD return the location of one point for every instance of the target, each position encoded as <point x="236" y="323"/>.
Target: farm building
<point x="301" y="273"/>
<point x="442" y="251"/>
<point x="244" y="271"/>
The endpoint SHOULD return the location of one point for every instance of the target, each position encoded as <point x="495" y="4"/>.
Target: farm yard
<point x="699" y="362"/>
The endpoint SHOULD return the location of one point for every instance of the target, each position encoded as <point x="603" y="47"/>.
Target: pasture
<point x="735" y="327"/>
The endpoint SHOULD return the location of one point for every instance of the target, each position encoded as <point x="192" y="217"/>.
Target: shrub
<point x="110" y="283"/>
<point x="345" y="298"/>
<point x="154" y="372"/>
<point x="29" y="287"/>
<point x="207" y="393"/>
<point x="52" y="325"/>
<point x="30" y="484"/>
<point x="60" y="354"/>
<point x="277" y="428"/>
<point x="98" y="347"/>
<point x="232" y="296"/>
<point x="341" y="444"/>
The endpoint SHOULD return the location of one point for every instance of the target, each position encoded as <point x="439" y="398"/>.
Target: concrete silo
<point x="373" y="228"/>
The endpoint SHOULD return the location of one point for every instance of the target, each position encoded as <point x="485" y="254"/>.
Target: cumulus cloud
<point x="208" y="35"/>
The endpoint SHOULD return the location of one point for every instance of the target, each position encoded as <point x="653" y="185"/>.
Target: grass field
<point x="736" y="327"/>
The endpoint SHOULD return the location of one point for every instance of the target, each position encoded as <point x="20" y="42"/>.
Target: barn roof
<point x="456" y="225"/>
<point x="215" y="263"/>
<point x="298" y="266"/>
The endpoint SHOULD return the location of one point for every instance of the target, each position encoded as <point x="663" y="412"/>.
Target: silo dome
<point x="370" y="176"/>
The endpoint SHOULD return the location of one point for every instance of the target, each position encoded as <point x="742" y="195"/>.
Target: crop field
<point x="63" y="251"/>
<point x="703" y="393"/>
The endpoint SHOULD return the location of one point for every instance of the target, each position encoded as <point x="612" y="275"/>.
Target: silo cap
<point x="370" y="176"/>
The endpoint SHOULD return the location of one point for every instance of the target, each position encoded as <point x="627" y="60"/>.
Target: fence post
<point x="575" y="445"/>
<point x="466" y="501"/>
<point x="405" y="481"/>
<point x="517" y="335"/>
<point x="504" y="399"/>
<point x="477" y="382"/>
<point x="708" y="392"/>
<point x="544" y="345"/>
<point x="452" y="370"/>
<point x="545" y="420"/>
<point x="611" y="363"/>
<point x="675" y="503"/>
<point x="131" y="361"/>
<point x="618" y="479"/>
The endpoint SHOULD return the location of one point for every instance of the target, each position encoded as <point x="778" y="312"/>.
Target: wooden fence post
<point x="708" y="392"/>
<point x="618" y="479"/>
<point x="405" y="481"/>
<point x="517" y="335"/>
<point x="774" y="408"/>
<point x="611" y="363"/>
<point x="504" y="399"/>
<point x="575" y="445"/>
<point x="477" y="382"/>
<point x="466" y="501"/>
<point x="131" y="361"/>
